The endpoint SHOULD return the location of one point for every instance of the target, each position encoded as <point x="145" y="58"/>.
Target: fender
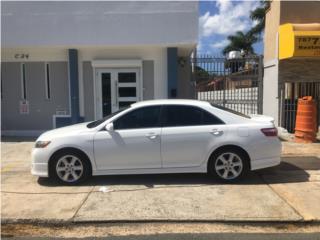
<point x="89" y="154"/>
<point x="216" y="146"/>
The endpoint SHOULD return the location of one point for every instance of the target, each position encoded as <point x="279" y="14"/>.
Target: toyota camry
<point x="159" y="136"/>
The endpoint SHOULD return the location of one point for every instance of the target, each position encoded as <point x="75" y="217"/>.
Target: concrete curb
<point x="51" y="222"/>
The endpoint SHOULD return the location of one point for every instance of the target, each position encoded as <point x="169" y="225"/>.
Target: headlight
<point x="42" y="144"/>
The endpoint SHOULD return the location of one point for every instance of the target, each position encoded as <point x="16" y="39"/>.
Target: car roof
<point x="170" y="102"/>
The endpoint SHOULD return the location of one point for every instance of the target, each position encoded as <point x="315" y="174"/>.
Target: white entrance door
<point x="115" y="89"/>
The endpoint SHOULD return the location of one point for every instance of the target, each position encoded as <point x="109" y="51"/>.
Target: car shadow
<point x="291" y="169"/>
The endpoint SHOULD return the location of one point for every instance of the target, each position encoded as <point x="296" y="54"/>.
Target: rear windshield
<point x="98" y="122"/>
<point x="229" y="110"/>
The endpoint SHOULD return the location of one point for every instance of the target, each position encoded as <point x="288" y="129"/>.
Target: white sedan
<point x="159" y="136"/>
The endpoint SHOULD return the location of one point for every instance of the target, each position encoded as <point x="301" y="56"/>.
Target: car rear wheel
<point x="70" y="167"/>
<point x="228" y="165"/>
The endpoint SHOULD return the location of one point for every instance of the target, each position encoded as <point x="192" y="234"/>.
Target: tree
<point x="241" y="42"/>
<point x="259" y="15"/>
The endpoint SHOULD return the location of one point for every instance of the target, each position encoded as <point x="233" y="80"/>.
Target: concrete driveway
<point x="289" y="192"/>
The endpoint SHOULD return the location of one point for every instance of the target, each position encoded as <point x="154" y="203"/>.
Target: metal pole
<point x="224" y="84"/>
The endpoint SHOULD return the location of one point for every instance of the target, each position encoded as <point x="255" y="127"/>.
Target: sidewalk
<point x="287" y="193"/>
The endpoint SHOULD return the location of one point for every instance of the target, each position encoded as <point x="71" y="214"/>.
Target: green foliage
<point x="241" y="41"/>
<point x="259" y="15"/>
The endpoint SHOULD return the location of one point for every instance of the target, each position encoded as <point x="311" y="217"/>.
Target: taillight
<point x="270" y="132"/>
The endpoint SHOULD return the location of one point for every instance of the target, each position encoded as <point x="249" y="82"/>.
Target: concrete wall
<point x="270" y="105"/>
<point x="88" y="92"/>
<point x="154" y="65"/>
<point x="95" y="23"/>
<point x="299" y="70"/>
<point x="41" y="109"/>
<point x="186" y="87"/>
<point x="270" y="91"/>
<point x="271" y="31"/>
<point x="148" y="79"/>
<point x="157" y="54"/>
<point x="300" y="12"/>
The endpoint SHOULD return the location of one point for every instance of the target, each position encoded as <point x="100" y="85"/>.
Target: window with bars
<point x="47" y="81"/>
<point x="23" y="82"/>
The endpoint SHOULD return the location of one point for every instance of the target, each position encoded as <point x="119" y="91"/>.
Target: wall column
<point x="74" y="85"/>
<point x="73" y="92"/>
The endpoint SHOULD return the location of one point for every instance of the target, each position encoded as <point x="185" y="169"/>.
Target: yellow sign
<point x="308" y="45"/>
<point x="299" y="40"/>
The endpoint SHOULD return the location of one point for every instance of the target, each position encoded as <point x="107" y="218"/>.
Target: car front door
<point x="188" y="134"/>
<point x="133" y="144"/>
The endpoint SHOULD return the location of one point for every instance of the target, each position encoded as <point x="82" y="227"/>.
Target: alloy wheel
<point x="228" y="166"/>
<point x="69" y="168"/>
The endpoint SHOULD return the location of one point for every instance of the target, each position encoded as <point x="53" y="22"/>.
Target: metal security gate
<point x="290" y="93"/>
<point x="232" y="83"/>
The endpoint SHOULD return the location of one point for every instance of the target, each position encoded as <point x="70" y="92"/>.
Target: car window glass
<point x="146" y="117"/>
<point x="188" y="116"/>
<point x="182" y="116"/>
<point x="210" y="119"/>
<point x="98" y="122"/>
<point x="230" y="110"/>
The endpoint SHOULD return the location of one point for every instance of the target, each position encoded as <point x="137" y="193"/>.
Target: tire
<point x="70" y="167"/>
<point x="228" y="165"/>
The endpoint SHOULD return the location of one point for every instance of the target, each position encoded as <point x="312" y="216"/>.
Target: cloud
<point x="230" y="17"/>
<point x="199" y="46"/>
<point x="219" y="44"/>
<point x="221" y="19"/>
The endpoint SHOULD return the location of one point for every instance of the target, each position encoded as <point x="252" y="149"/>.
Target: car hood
<point x="64" y="131"/>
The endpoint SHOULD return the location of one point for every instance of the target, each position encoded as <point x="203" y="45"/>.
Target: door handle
<point x="216" y="132"/>
<point x="151" y="135"/>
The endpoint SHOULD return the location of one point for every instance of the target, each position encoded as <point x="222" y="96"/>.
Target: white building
<point x="67" y="62"/>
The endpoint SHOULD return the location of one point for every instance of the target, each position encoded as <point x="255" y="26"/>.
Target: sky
<point x="221" y="18"/>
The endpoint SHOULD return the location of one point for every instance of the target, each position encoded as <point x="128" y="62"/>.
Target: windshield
<point x="98" y="122"/>
<point x="229" y="110"/>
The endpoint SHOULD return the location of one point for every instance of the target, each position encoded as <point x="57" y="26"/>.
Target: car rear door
<point x="188" y="134"/>
<point x="133" y="144"/>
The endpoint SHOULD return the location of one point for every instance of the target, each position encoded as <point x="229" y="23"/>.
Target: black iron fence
<point x="232" y="83"/>
<point x="290" y="93"/>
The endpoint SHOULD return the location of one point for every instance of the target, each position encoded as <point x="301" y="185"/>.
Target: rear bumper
<point x="266" y="152"/>
<point x="265" y="163"/>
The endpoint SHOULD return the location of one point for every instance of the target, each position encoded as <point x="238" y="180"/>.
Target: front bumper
<point x="39" y="164"/>
<point x="39" y="169"/>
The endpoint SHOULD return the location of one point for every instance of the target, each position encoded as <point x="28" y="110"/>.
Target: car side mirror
<point x="109" y="127"/>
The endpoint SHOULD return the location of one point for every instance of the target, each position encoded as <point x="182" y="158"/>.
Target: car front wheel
<point x="70" y="167"/>
<point x="228" y="165"/>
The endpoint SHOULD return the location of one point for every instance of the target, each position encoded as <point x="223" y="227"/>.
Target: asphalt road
<point x="207" y="236"/>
